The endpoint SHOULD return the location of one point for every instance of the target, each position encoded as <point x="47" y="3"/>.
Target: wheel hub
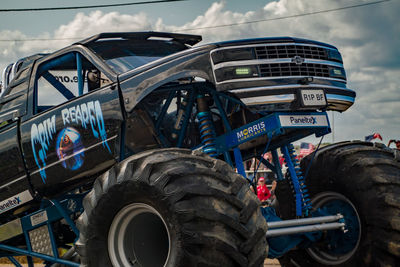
<point x="338" y="245"/>
<point x="138" y="236"/>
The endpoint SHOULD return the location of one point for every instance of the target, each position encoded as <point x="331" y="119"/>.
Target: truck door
<point x="14" y="184"/>
<point x="73" y="133"/>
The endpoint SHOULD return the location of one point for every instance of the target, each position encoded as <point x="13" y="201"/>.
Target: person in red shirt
<point x="263" y="192"/>
<point x="396" y="142"/>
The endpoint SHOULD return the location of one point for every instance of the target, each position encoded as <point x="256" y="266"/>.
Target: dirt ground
<point x="271" y="263"/>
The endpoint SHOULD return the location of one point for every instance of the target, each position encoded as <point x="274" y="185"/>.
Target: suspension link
<point x="206" y="127"/>
<point x="303" y="202"/>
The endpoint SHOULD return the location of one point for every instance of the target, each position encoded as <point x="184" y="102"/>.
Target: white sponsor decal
<point x="15" y="201"/>
<point x="39" y="218"/>
<point x="303" y="120"/>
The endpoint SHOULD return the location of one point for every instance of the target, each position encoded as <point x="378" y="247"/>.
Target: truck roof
<point x="187" y="39"/>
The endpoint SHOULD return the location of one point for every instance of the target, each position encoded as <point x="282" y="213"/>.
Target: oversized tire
<point x="171" y="207"/>
<point x="362" y="181"/>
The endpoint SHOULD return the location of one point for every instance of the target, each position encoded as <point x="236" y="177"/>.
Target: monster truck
<point x="120" y="150"/>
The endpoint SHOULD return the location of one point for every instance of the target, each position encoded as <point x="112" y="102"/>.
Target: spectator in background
<point x="273" y="189"/>
<point x="396" y="142"/>
<point x="263" y="192"/>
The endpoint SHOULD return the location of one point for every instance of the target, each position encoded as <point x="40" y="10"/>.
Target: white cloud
<point x="97" y="22"/>
<point x="368" y="38"/>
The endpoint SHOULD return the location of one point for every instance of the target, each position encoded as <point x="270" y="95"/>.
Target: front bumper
<point x="285" y="97"/>
<point x="268" y="75"/>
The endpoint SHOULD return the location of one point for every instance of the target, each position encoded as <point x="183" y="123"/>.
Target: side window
<point x="64" y="78"/>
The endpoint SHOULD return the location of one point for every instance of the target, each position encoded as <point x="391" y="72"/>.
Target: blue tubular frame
<point x="52" y="211"/>
<point x="188" y="114"/>
<point x="227" y="126"/>
<point x="293" y="175"/>
<point x="38" y="255"/>
<point x="14" y="261"/>
<point x="160" y="118"/>
<point x="79" y="69"/>
<point x="272" y="125"/>
<point x="280" y="129"/>
<point x="58" y="85"/>
<point x="29" y="247"/>
<point x="279" y="133"/>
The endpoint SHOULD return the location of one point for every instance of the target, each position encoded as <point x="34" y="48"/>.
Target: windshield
<point x="123" y="55"/>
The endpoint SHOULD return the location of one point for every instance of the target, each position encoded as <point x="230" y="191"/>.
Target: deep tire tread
<point x="185" y="179"/>
<point x="369" y="175"/>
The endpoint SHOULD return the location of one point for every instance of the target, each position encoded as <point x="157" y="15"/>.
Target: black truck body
<point x="29" y="157"/>
<point x="124" y="144"/>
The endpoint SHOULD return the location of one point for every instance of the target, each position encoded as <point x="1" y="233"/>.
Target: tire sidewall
<point x="343" y="178"/>
<point x="118" y="197"/>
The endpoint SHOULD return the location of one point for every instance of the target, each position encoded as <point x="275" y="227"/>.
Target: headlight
<point x="240" y="72"/>
<point x="335" y="72"/>
<point x="232" y="55"/>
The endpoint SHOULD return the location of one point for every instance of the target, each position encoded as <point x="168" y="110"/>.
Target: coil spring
<point x="207" y="133"/>
<point x="305" y="199"/>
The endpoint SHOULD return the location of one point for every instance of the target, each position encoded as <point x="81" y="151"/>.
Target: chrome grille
<point x="290" y="51"/>
<point x="291" y="69"/>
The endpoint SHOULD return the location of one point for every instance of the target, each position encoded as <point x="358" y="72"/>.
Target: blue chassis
<point x="54" y="210"/>
<point x="279" y="133"/>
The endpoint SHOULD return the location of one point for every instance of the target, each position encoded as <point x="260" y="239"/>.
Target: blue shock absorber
<point x="303" y="202"/>
<point x="206" y="127"/>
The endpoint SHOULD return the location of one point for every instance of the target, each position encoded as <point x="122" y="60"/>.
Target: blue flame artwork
<point x="70" y="149"/>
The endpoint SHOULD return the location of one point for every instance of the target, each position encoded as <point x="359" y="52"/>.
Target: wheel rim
<point x="338" y="246"/>
<point x="138" y="236"/>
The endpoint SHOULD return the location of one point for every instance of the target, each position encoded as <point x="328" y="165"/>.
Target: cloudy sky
<point x="368" y="38"/>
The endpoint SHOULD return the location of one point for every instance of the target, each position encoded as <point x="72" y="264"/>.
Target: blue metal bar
<point x="80" y="78"/>
<point x="14" y="261"/>
<point x="188" y="114"/>
<point x="55" y="62"/>
<point x="164" y="109"/>
<point x="58" y="85"/>
<point x="224" y="117"/>
<point x="268" y="164"/>
<point x="52" y="240"/>
<point x="29" y="247"/>
<point x="160" y="119"/>
<point x="53" y="212"/>
<point x="227" y="158"/>
<point x="225" y="120"/>
<point x="272" y="124"/>
<point x="232" y="99"/>
<point x="295" y="181"/>
<point x="38" y="255"/>
<point x="265" y="150"/>
<point x="278" y="167"/>
<point x="221" y="110"/>
<point x="239" y="162"/>
<point x="65" y="216"/>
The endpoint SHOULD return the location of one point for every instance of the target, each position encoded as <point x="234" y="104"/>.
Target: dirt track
<point x="271" y="263"/>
